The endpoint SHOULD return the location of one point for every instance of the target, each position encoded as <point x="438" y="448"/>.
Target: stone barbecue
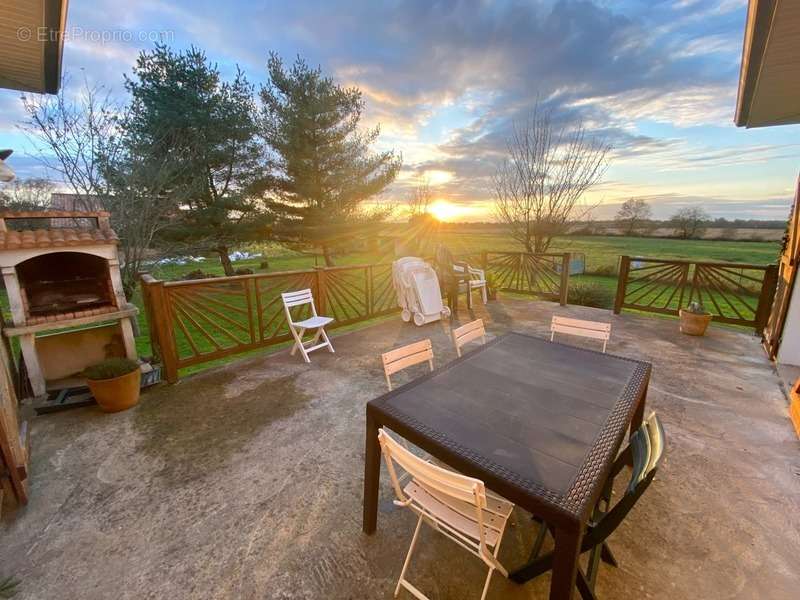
<point x="68" y="307"/>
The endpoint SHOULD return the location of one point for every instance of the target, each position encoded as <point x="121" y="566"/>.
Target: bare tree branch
<point x="549" y="167"/>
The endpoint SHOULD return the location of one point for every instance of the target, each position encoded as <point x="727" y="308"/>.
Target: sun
<point x="443" y="210"/>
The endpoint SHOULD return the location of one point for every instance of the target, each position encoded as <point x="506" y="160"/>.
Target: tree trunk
<point x="225" y="260"/>
<point x="326" y="253"/>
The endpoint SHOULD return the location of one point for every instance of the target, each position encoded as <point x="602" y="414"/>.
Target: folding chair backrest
<point x="298" y="298"/>
<point x="406" y="356"/>
<point x="590" y="329"/>
<point x="435" y="479"/>
<point x="467" y="333"/>
<point x="647" y="447"/>
<point x="579" y="327"/>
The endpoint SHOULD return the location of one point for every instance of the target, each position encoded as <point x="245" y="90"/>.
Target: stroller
<point x="418" y="292"/>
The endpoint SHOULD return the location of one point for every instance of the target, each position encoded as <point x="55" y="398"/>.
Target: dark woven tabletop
<point x="542" y="420"/>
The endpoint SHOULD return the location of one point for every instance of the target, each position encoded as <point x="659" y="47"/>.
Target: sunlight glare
<point x="444" y="210"/>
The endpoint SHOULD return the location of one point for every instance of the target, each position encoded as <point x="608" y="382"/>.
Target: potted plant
<point x="114" y="383"/>
<point x="694" y="319"/>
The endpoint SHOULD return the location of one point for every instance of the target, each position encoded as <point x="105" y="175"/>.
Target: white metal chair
<point x="466" y="333"/>
<point x="477" y="280"/>
<point x="298" y="328"/>
<point x="588" y="329"/>
<point x="406" y="356"/>
<point x="457" y="506"/>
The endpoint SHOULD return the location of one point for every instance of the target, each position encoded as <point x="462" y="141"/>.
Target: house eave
<point x="31" y="45"/>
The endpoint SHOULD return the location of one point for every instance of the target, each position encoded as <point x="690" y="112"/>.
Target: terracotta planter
<point x="693" y="323"/>
<point x="119" y="393"/>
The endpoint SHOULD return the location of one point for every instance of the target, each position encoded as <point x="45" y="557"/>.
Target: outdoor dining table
<point x="539" y="422"/>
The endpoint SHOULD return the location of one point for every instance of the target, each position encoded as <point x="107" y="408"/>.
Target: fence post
<point x="622" y="282"/>
<point x="159" y="318"/>
<point x="322" y="290"/>
<point x="564" y="295"/>
<point x="370" y="290"/>
<point x="766" y="298"/>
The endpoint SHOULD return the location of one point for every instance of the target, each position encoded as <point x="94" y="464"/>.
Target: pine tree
<point x="325" y="170"/>
<point x="184" y="113"/>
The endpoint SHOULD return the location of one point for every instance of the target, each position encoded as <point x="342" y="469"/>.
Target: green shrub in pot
<point x="114" y="383"/>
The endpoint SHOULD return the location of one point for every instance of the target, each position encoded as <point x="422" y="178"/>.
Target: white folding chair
<point x="298" y="328"/>
<point x="477" y="280"/>
<point x="406" y="356"/>
<point x="466" y="333"/>
<point x="457" y="506"/>
<point x="587" y="329"/>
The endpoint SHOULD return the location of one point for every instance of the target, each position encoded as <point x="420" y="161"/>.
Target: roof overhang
<point x="31" y="44"/>
<point x="769" y="80"/>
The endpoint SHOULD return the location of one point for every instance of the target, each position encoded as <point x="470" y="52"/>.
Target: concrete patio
<point x="246" y="482"/>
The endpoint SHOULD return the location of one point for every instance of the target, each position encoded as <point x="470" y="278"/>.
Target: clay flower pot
<point x="118" y="393"/>
<point x="694" y="323"/>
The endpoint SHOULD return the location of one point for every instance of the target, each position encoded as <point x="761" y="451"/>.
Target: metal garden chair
<point x="579" y="327"/>
<point x="457" y="506"/>
<point x="298" y="328"/>
<point x="645" y="450"/>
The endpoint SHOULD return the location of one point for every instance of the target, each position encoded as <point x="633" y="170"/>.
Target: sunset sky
<point x="446" y="79"/>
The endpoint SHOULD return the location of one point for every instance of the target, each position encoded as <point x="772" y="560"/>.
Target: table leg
<point x="372" y="473"/>
<point x="565" y="564"/>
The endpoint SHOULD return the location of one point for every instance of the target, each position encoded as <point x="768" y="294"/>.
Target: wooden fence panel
<point x="735" y="293"/>
<point x="542" y="275"/>
<point x="196" y="321"/>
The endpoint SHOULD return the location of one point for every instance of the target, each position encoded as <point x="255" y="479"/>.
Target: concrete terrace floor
<point x="246" y="482"/>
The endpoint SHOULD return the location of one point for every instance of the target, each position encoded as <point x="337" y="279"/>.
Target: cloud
<point x="445" y="79"/>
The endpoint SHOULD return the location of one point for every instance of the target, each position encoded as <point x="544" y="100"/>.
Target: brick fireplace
<point x="68" y="308"/>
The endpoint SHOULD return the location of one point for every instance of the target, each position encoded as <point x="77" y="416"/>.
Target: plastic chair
<point x="477" y="280"/>
<point x="298" y="328"/>
<point x="579" y="327"/>
<point x="645" y="451"/>
<point x="455" y="505"/>
<point x="466" y="333"/>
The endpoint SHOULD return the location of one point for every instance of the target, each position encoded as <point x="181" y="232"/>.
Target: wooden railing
<point x="735" y="293"/>
<point x="543" y="275"/>
<point x="196" y="321"/>
<point x="14" y="451"/>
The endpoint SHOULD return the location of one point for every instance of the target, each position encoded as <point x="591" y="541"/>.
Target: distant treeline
<point x="586" y="227"/>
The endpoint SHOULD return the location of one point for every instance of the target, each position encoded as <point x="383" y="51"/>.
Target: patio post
<point x="622" y="282"/>
<point x="769" y="286"/>
<point x="564" y="291"/>
<point x="322" y="290"/>
<point x="159" y="318"/>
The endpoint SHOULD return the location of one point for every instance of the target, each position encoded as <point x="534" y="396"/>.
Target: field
<point x="600" y="252"/>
